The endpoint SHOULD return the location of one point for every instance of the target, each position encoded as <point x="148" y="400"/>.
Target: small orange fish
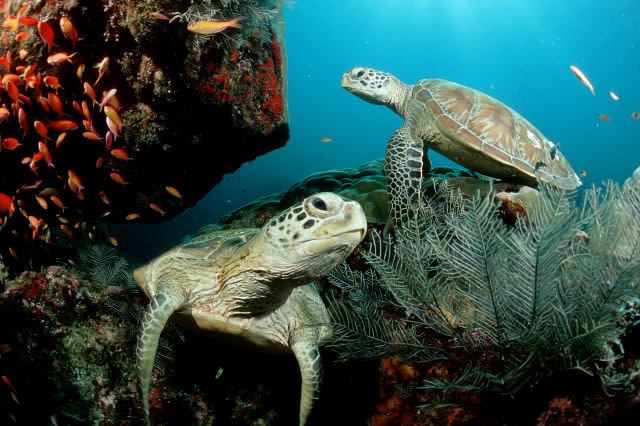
<point x="120" y="154"/>
<point x="583" y="78"/>
<point x="88" y="90"/>
<point x="85" y="111"/>
<point x="51" y="81"/>
<point x="80" y="71"/>
<point x="326" y="140"/>
<point x="55" y="103"/>
<point x="22" y="35"/>
<point x="173" y="191"/>
<point x="156" y="208"/>
<point x="108" y="140"/>
<point x="22" y="53"/>
<point x="60" y="57"/>
<point x="635" y="115"/>
<point x="41" y="129"/>
<point x="63" y="125"/>
<point x="22" y="9"/>
<point x="113" y="115"/>
<point x="132" y="216"/>
<point x="10" y="143"/>
<point x="106" y="97"/>
<point x="42" y="202"/>
<point x="160" y="16"/>
<point x="77" y="107"/>
<point x="212" y="27"/>
<point x="42" y="147"/>
<point x="118" y="179"/>
<point x="12" y="90"/>
<point x="69" y="31"/>
<point x="113" y="128"/>
<point x="583" y="173"/>
<point x="46" y="33"/>
<point x="22" y="119"/>
<point x="74" y="182"/>
<point x="28" y="21"/>
<point x="44" y="103"/>
<point x="99" y="162"/>
<point x="7" y="381"/>
<point x="61" y="137"/>
<point x="37" y="157"/>
<point x="57" y="202"/>
<point x="34" y="223"/>
<point x="92" y="136"/>
<point x="604" y="117"/>
<point x="614" y="96"/>
<point x="113" y="241"/>
<point x="102" y="68"/>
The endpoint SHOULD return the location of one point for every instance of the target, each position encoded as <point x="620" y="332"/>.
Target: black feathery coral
<point x="547" y="290"/>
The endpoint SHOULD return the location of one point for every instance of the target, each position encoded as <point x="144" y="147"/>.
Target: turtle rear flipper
<point x="153" y="319"/>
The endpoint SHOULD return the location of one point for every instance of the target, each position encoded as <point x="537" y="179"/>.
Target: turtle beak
<point x="345" y="78"/>
<point x="358" y="229"/>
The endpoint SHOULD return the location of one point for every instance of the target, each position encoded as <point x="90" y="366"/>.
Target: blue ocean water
<point x="514" y="50"/>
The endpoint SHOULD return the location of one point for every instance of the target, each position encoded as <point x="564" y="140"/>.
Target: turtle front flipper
<point x="154" y="317"/>
<point x="308" y="356"/>
<point x="403" y="169"/>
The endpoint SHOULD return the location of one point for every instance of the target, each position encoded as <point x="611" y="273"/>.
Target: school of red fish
<point x="29" y="101"/>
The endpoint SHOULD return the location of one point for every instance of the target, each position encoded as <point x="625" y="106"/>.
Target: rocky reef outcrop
<point x="184" y="109"/>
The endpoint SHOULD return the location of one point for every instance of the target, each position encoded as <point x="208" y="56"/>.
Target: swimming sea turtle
<point x="463" y="124"/>
<point x="247" y="286"/>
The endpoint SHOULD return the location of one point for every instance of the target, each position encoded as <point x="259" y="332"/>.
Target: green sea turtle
<point x="463" y="124"/>
<point x="247" y="286"/>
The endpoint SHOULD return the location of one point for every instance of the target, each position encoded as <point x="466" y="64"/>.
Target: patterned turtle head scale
<point x="322" y="226"/>
<point x="368" y="84"/>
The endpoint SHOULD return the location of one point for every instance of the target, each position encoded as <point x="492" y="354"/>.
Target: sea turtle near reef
<point x="248" y="286"/>
<point x="463" y="124"/>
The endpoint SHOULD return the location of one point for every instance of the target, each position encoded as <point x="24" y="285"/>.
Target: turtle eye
<point x="319" y="204"/>
<point x="360" y="73"/>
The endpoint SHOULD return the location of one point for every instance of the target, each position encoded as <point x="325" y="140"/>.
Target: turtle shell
<point x="491" y="138"/>
<point x="209" y="248"/>
<point x="216" y="244"/>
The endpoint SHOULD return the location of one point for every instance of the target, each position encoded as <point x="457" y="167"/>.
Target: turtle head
<point x="307" y="240"/>
<point x="376" y="87"/>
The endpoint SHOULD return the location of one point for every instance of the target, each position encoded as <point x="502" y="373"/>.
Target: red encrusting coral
<point x="275" y="48"/>
<point x="254" y="88"/>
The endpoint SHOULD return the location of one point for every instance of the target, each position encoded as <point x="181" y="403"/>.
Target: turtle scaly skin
<point x="248" y="286"/>
<point x="463" y="124"/>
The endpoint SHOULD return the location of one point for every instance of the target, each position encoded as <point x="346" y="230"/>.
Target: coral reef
<point x="176" y="98"/>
